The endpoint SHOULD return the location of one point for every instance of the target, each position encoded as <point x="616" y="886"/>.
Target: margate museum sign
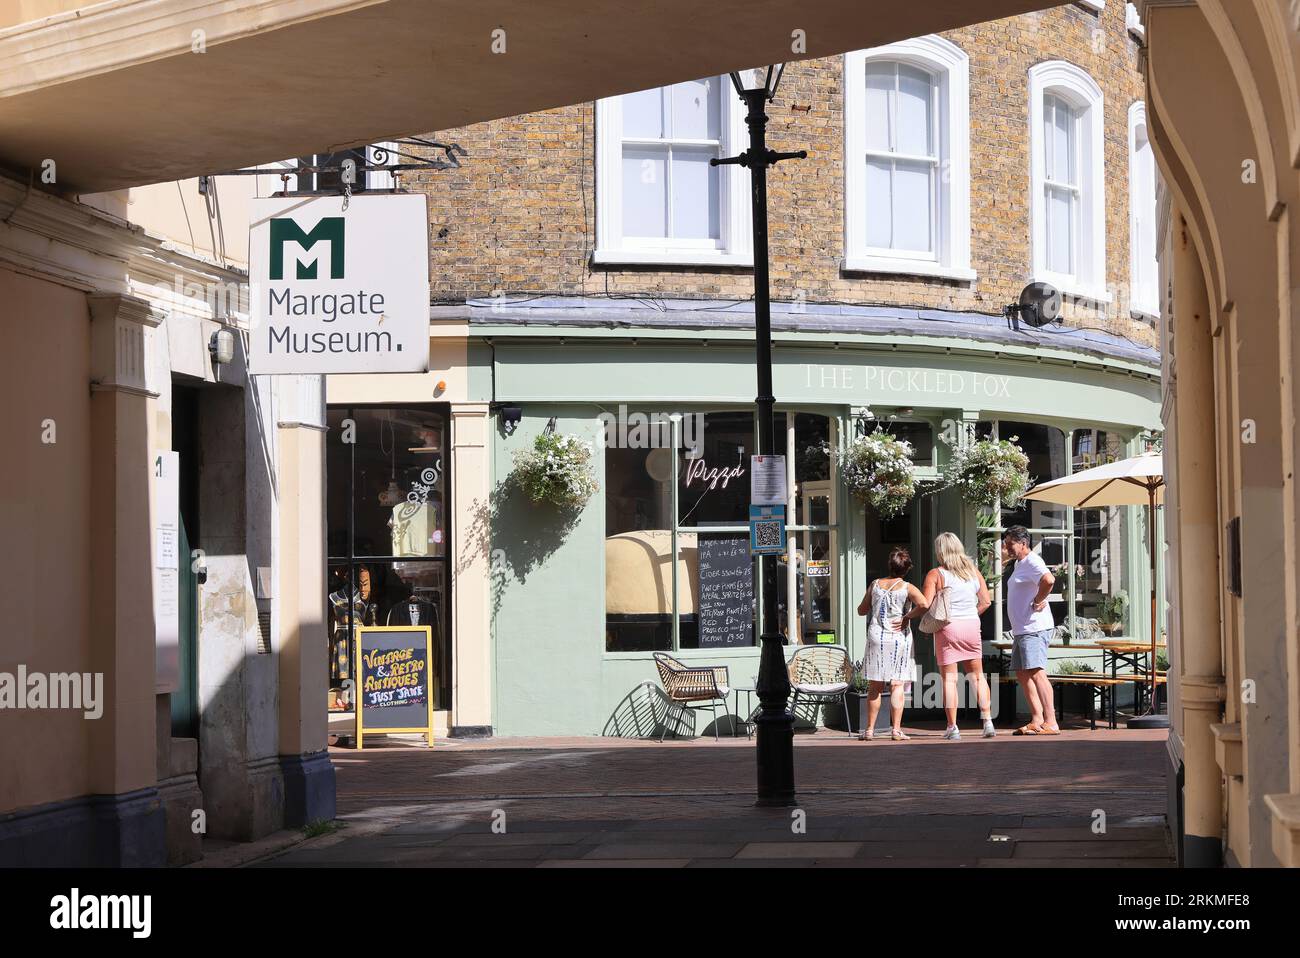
<point x="337" y="288"/>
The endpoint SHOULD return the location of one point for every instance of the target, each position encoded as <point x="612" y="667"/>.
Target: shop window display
<point x="638" y="547"/>
<point x="387" y="533"/>
<point x="717" y="598"/>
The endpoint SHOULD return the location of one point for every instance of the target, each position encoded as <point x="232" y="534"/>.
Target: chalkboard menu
<point x="394" y="680"/>
<point x="726" y="596"/>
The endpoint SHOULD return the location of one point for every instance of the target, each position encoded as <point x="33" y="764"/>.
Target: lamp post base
<point x="774" y="739"/>
<point x="774" y="727"/>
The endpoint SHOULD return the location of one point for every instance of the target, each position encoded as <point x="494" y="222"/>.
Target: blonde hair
<point x="952" y="556"/>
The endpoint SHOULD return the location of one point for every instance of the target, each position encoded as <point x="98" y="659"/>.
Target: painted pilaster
<point x="472" y="707"/>
<point x="300" y="625"/>
<point x="1190" y="466"/>
<point x="123" y="751"/>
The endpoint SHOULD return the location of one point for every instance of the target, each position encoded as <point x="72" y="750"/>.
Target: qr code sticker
<point x="767" y="535"/>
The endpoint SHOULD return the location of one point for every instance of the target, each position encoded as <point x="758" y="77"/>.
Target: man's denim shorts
<point x="1029" y="651"/>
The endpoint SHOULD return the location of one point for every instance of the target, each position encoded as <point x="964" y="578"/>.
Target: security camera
<point x="510" y="417"/>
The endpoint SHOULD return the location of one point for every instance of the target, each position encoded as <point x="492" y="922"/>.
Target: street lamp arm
<point x="746" y="159"/>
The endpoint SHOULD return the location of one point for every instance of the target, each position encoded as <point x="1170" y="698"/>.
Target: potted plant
<point x="556" y="470"/>
<point x="877" y="469"/>
<point x="1076" y="698"/>
<point x="856" y="698"/>
<point x="1111" y="612"/>
<point x="1063" y="572"/>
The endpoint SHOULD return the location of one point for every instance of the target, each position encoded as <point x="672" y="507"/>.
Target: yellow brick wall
<point x="519" y="216"/>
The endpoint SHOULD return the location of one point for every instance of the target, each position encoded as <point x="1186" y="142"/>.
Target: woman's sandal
<point x="1049" y="730"/>
<point x="898" y="736"/>
<point x="868" y="736"/>
<point x="1030" y="729"/>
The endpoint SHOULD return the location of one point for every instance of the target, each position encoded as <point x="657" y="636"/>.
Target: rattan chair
<point x="692" y="688"/>
<point x="821" y="674"/>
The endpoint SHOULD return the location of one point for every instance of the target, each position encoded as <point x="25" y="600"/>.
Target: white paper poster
<point x="767" y="481"/>
<point x="334" y="290"/>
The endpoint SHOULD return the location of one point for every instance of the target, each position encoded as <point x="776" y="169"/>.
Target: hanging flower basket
<point x="877" y="469"/>
<point x="988" y="470"/>
<point x="557" y="470"/>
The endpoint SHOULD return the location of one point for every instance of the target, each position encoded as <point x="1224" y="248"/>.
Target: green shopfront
<point x="579" y="603"/>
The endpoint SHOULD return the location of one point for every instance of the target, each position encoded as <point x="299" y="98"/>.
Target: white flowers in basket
<point x="987" y="471"/>
<point x="877" y="469"/>
<point x="556" y="470"/>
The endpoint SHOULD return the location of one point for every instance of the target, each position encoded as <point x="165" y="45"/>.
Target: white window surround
<point x="1133" y="21"/>
<point x="951" y="68"/>
<point x="1097" y="5"/>
<point x="383" y="179"/>
<point x="1080" y="91"/>
<point x="735" y="245"/>
<point x="375" y="179"/>
<point x="1144" y="297"/>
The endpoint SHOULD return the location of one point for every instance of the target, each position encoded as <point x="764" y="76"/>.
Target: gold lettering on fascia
<point x="890" y="381"/>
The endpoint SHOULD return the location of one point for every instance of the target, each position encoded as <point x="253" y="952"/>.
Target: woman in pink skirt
<point x="959" y="640"/>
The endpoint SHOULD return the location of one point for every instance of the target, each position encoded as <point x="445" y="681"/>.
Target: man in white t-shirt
<point x="1032" y="627"/>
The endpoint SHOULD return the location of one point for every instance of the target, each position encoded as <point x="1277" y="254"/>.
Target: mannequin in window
<point x="363" y="613"/>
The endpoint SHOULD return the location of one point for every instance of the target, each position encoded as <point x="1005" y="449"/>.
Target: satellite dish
<point x="1040" y="304"/>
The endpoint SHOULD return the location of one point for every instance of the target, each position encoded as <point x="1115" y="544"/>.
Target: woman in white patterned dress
<point x="889" y="641"/>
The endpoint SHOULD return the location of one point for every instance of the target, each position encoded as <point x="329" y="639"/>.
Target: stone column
<point x="301" y="626"/>
<point x="130" y="825"/>
<point x="1284" y="807"/>
<point x="471" y="694"/>
<point x="1191" y="465"/>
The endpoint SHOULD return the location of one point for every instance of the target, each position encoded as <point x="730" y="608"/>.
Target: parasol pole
<point x="1151" y="539"/>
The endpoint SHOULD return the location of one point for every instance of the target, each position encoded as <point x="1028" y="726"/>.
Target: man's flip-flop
<point x="1030" y="729"/>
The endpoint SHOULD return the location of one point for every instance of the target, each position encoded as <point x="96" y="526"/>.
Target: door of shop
<point x="914" y="530"/>
<point x="389" y="538"/>
<point x="820" y="568"/>
<point x="185" y="700"/>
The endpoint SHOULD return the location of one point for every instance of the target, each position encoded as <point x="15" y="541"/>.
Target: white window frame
<point x="1074" y="86"/>
<point x="950" y="66"/>
<point x="734" y="246"/>
<point x="381" y="179"/>
<point x="375" y="179"/>
<point x="1133" y="21"/>
<point x="1149" y="307"/>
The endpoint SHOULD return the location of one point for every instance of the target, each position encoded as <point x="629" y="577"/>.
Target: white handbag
<point x="938" y="615"/>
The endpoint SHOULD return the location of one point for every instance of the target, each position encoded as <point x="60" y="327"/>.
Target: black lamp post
<point x="775" y="723"/>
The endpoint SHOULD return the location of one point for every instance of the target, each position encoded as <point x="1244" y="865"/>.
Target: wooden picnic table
<point x="1112" y="654"/>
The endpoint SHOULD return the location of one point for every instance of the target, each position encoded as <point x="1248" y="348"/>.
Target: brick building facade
<point x="519" y="216"/>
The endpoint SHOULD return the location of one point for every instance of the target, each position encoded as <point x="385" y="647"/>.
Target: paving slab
<point x="1076" y="850"/>
<point x="788" y="850"/>
<point x="606" y="803"/>
<point x="664" y="850"/>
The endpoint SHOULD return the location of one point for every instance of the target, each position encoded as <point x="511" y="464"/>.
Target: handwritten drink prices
<point x="726" y="597"/>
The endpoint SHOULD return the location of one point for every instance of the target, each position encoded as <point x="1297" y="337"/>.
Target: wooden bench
<point x="1103" y="684"/>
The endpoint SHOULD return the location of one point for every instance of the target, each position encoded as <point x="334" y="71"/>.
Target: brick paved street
<point x="586" y="801"/>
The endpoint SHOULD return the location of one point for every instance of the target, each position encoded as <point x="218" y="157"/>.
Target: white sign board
<point x="334" y="290"/>
<point x="165" y="470"/>
<point x="767" y="481"/>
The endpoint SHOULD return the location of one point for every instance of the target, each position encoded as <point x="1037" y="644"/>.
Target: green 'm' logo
<point x="328" y="230"/>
